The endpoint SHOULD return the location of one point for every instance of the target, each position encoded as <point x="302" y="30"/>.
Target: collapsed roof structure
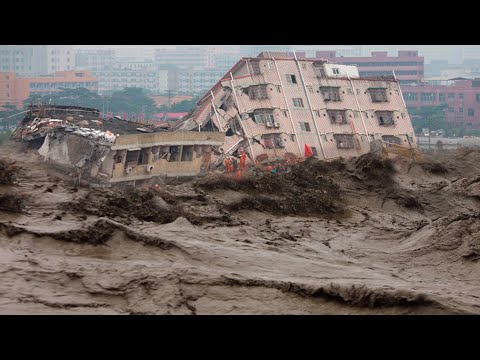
<point x="275" y="104"/>
<point x="114" y="150"/>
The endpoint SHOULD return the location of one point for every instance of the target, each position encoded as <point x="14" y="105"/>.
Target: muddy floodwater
<point x="362" y="236"/>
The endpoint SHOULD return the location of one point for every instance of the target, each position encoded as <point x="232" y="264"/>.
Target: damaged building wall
<point x="114" y="149"/>
<point x="273" y="107"/>
<point x="172" y="154"/>
<point x="134" y="156"/>
<point x="74" y="151"/>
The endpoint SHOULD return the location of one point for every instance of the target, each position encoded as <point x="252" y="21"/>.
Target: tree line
<point x="129" y="100"/>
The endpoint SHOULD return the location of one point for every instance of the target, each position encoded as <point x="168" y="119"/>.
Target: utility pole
<point x="429" y="132"/>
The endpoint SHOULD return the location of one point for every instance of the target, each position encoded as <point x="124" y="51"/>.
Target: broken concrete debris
<point x="106" y="151"/>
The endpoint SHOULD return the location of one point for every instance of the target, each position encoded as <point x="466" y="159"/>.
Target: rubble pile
<point x="304" y="189"/>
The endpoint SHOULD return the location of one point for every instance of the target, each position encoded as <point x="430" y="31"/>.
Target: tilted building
<point x="109" y="151"/>
<point x="274" y="104"/>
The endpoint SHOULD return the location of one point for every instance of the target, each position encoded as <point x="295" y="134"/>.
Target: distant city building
<point x="193" y="81"/>
<point x="60" y="58"/>
<point x="23" y="60"/>
<point x="15" y="90"/>
<point x="461" y="97"/>
<point x="408" y="66"/>
<point x="96" y="59"/>
<point x="33" y="60"/>
<point x="138" y="53"/>
<point x="183" y="57"/>
<point x="119" y="78"/>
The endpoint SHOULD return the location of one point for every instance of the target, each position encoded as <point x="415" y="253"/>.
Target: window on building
<point x="143" y="159"/>
<point x="336" y="71"/>
<point x="451" y="95"/>
<point x="460" y="95"/>
<point x="256" y="67"/>
<point x="441" y="97"/>
<point x="291" y="79"/>
<point x="392" y="139"/>
<point x="314" y="151"/>
<point x="285" y="113"/>
<point x="187" y="153"/>
<point x="257" y="92"/>
<point x="298" y="102"/>
<point x="385" y="118"/>
<point x="450" y="109"/>
<point x="310" y="88"/>
<point x="305" y="126"/>
<point x="330" y="93"/>
<point x="427" y="96"/>
<point x="378" y="94"/>
<point x="317" y="112"/>
<point x="410" y="96"/>
<point x="471" y="112"/>
<point x="344" y="141"/>
<point x="279" y="89"/>
<point x="477" y="97"/>
<point x="304" y="66"/>
<point x="460" y="109"/>
<point x="272" y="141"/>
<point x="132" y="157"/>
<point x="263" y="116"/>
<point x="337" y="116"/>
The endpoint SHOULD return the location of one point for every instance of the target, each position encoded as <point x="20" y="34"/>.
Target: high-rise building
<point x="275" y="104"/>
<point x="33" y="60"/>
<point x="94" y="59"/>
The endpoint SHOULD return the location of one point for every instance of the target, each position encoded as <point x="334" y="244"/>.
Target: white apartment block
<point x="60" y="58"/>
<point x="274" y="104"/>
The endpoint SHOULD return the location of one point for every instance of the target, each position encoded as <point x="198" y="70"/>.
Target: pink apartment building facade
<point x="461" y="97"/>
<point x="273" y="105"/>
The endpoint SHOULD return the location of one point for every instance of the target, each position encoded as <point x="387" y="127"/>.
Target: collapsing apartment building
<point x="114" y="150"/>
<point x="274" y="104"/>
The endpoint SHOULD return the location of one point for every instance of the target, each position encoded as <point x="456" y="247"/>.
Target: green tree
<point x="131" y="100"/>
<point x="185" y="105"/>
<point x="9" y="117"/>
<point x="432" y="117"/>
<point x="128" y="100"/>
<point x="74" y="97"/>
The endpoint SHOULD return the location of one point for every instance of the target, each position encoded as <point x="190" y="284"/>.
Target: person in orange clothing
<point x="243" y="157"/>
<point x="228" y="165"/>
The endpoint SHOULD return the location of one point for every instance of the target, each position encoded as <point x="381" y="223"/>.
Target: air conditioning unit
<point x="128" y="169"/>
<point x="276" y="124"/>
<point x="268" y="124"/>
<point x="148" y="168"/>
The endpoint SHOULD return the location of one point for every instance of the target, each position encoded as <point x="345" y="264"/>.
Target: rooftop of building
<point x="41" y="119"/>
